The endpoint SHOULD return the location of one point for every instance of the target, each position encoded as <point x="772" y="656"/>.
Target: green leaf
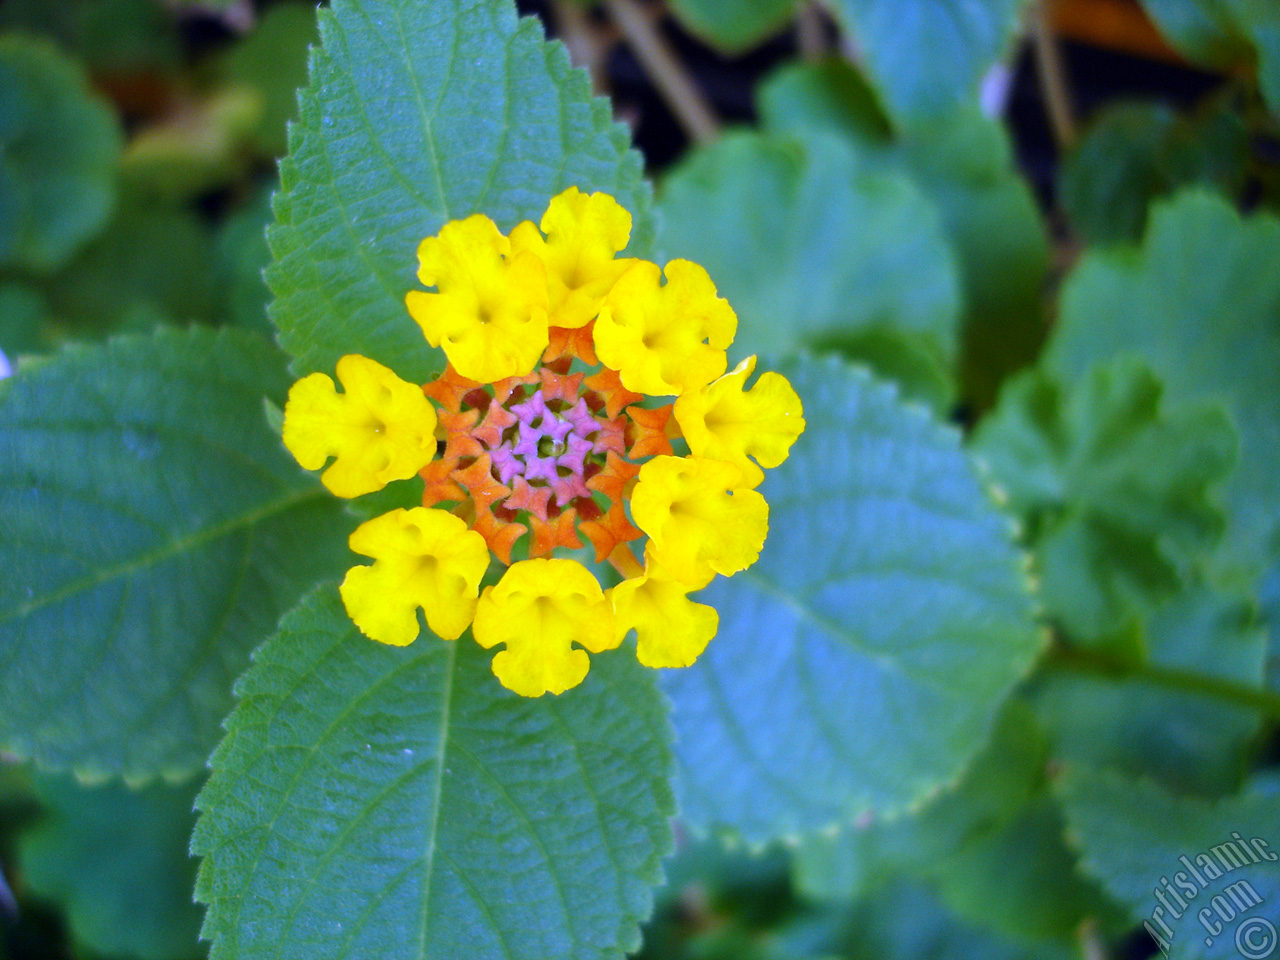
<point x="116" y="862"/>
<point x="157" y="530"/>
<point x="59" y="144"/>
<point x="120" y="37"/>
<point x="992" y="846"/>
<point x="1225" y="34"/>
<point x="373" y="801"/>
<point x="1136" y="152"/>
<point x="829" y="95"/>
<point x="418" y="114"/>
<point x="902" y="920"/>
<point x="242" y="254"/>
<point x="1116" y="488"/>
<point x="1184" y="741"/>
<point x="1002" y="780"/>
<point x="964" y="164"/>
<point x="150" y="266"/>
<point x="859" y="664"/>
<point x="733" y="25"/>
<point x="272" y="61"/>
<point x="926" y="57"/>
<point x="1200" y="304"/>
<point x="1134" y="837"/>
<point x="23" y="318"/>
<point x="814" y="248"/>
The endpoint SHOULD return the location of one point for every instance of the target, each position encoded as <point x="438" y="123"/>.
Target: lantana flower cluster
<point x="585" y="410"/>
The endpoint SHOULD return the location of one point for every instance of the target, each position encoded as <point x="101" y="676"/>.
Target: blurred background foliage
<point x="863" y="177"/>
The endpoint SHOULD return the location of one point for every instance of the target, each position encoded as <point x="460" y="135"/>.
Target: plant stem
<point x="811" y="32"/>
<point x="673" y="82"/>
<point x="1052" y="70"/>
<point x="1077" y="660"/>
<point x="584" y="44"/>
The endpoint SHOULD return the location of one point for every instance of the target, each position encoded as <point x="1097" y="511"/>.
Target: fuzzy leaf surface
<point x="155" y="529"/>
<point x="860" y="662"/>
<point x="417" y="114"/>
<point x="374" y="801"/>
<point x="1199" y="303"/>
<point x="1117" y="490"/>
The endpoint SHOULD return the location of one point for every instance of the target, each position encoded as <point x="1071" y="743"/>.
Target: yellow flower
<point x="584" y="234"/>
<point x="701" y="516"/>
<point x="551" y="442"/>
<point x="490" y="314"/>
<point x="540" y="609"/>
<point x="422" y="558"/>
<point x="722" y="421"/>
<point x="671" y="630"/>
<point x="665" y="339"/>
<point x="380" y="429"/>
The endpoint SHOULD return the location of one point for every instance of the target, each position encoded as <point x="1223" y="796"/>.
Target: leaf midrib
<point x="164" y="552"/>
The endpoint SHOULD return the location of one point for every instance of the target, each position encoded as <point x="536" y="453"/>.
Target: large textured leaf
<point x="813" y="248"/>
<point x="419" y="113"/>
<point x="116" y="862"/>
<point x="901" y="920"/>
<point x="154" y="532"/>
<point x="928" y="56"/>
<point x="1136" y="152"/>
<point x="860" y="662"/>
<point x="1143" y="842"/>
<point x="1117" y="489"/>
<point x="59" y="146"/>
<point x="1225" y="34"/>
<point x="372" y="801"/>
<point x="964" y="164"/>
<point x="1184" y="741"/>
<point x="992" y="847"/>
<point x="1200" y="303"/>
<point x="1002" y="779"/>
<point x="733" y="24"/>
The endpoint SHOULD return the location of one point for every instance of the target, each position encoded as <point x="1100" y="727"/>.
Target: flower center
<point x="551" y="453"/>
<point x="551" y="444"/>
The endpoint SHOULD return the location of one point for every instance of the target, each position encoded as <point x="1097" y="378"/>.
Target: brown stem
<point x="1052" y="70"/>
<point x="582" y="40"/>
<point x="811" y="32"/>
<point x="673" y="82"/>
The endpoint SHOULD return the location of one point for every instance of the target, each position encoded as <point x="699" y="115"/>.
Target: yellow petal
<point x="671" y="630"/>
<point x="540" y="609"/>
<point x="422" y="558"/>
<point x="380" y="429"/>
<point x="701" y="516"/>
<point x="489" y="313"/>
<point x="722" y="421"/>
<point x="584" y="234"/>
<point x="665" y="339"/>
